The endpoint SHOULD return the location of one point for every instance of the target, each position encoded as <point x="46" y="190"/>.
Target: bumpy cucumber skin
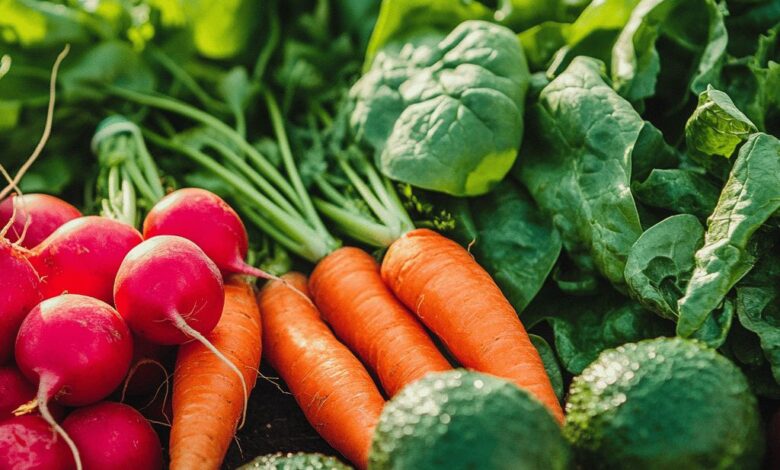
<point x="298" y="461"/>
<point x="466" y="420"/>
<point x="665" y="403"/>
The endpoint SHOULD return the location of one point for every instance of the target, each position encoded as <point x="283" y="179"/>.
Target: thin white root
<point x="43" y="406"/>
<point x="181" y="324"/>
<point x="133" y="371"/>
<point x="46" y="128"/>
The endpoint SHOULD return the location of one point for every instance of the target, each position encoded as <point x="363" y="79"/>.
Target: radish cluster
<point x="90" y="298"/>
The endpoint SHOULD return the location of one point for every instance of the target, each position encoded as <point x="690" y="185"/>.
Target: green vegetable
<point x="661" y="261"/>
<point x="297" y="461"/>
<point x="463" y="420"/>
<point x="717" y="127"/>
<point x="576" y="162"/>
<point x="750" y="197"/>
<point x="678" y="190"/>
<point x="662" y="404"/>
<point x="585" y="326"/>
<point x="445" y="113"/>
<point x="636" y="62"/>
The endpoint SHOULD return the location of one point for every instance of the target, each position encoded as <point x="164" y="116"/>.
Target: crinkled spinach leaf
<point x="679" y="191"/>
<point x="661" y="261"/>
<point x="446" y="114"/>
<point x="716" y="127"/>
<point x="585" y="326"/>
<point x="576" y="162"/>
<point x="637" y="64"/>
<point x="750" y="197"/>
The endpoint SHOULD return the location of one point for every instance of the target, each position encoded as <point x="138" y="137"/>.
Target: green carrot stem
<point x="208" y="120"/>
<point x="357" y="226"/>
<point x="366" y="194"/>
<point x="186" y="80"/>
<point x="252" y="175"/>
<point x="312" y="246"/>
<point x="292" y="170"/>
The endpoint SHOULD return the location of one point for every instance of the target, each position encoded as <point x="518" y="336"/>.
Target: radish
<point x="40" y="213"/>
<point x="76" y="349"/>
<point x="19" y="293"/>
<point x="83" y="256"/>
<point x="114" y="435"/>
<point x="208" y="221"/>
<point x="15" y="390"/>
<point x="27" y="442"/>
<point x="170" y="292"/>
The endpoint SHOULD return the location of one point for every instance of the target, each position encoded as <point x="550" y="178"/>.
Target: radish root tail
<point x="43" y="406"/>
<point x="182" y="325"/>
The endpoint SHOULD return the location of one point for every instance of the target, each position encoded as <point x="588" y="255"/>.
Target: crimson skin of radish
<point x="208" y="221"/>
<point x="46" y="214"/>
<point x="76" y="348"/>
<point x="169" y="291"/>
<point x="27" y="442"/>
<point x="19" y="293"/>
<point x="114" y="436"/>
<point x="15" y="390"/>
<point x="83" y="256"/>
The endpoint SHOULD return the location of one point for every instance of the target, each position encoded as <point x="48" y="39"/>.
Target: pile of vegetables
<point x="459" y="234"/>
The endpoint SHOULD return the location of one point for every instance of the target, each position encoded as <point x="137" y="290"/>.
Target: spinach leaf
<point x="592" y="34"/>
<point x="446" y="114"/>
<point x="583" y="327"/>
<point x="716" y="127"/>
<point x="636" y="62"/>
<point x="514" y="241"/>
<point x="399" y="18"/>
<point x="576" y="162"/>
<point x="550" y="364"/>
<point x="758" y="307"/>
<point x="750" y="197"/>
<point x="661" y="261"/>
<point x="679" y="191"/>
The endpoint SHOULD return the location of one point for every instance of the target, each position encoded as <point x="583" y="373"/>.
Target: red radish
<point x="77" y="349"/>
<point x="83" y="256"/>
<point x="19" y="293"/>
<point x="41" y="213"/>
<point x="114" y="435"/>
<point x="208" y="221"/>
<point x="27" y="442"/>
<point x="170" y="292"/>
<point x="15" y="391"/>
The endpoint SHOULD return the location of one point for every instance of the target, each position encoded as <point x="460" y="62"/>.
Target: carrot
<point x="352" y="298"/>
<point x="208" y="398"/>
<point x="332" y="387"/>
<point x="459" y="301"/>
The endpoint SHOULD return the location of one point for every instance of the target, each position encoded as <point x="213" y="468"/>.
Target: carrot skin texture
<point x="207" y="395"/>
<point x="331" y="386"/>
<point x="348" y="290"/>
<point x="459" y="301"/>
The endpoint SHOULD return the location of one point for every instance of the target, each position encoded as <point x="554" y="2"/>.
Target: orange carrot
<point x="332" y="387"/>
<point x="352" y="298"/>
<point x="459" y="301"/>
<point x="208" y="398"/>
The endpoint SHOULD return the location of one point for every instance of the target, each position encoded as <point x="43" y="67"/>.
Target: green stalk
<point x="186" y="80"/>
<point x="252" y="175"/>
<point x="292" y="170"/>
<point x="358" y="227"/>
<point x="208" y="120"/>
<point x="312" y="246"/>
<point x="366" y="194"/>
